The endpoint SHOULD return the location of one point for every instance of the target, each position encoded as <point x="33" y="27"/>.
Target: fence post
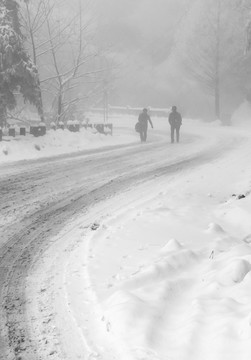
<point x="23" y="131"/>
<point x="12" y="132"/>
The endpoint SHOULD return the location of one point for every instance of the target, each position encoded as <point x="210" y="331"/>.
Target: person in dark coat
<point x="175" y="121"/>
<point x="143" y="120"/>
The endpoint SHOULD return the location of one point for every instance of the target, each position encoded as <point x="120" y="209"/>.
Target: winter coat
<point x="175" y="119"/>
<point x="143" y="120"/>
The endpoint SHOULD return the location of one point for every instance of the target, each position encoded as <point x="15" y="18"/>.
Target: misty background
<point x="166" y="51"/>
<point x="194" y="54"/>
<point x="141" y="36"/>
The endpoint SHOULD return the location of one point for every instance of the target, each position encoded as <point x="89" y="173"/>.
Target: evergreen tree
<point x="17" y="71"/>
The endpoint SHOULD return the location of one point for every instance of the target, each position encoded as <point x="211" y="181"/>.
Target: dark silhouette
<point x="143" y="124"/>
<point x="175" y="121"/>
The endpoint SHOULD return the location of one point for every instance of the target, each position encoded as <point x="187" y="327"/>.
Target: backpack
<point x="137" y="127"/>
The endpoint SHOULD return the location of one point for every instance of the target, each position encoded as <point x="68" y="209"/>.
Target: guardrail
<point x="12" y="132"/>
<point x="40" y="130"/>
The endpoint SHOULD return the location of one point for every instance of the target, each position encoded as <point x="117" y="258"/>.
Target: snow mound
<point x="224" y="243"/>
<point x="126" y="317"/>
<point x="239" y="217"/>
<point x="245" y="329"/>
<point x="234" y="272"/>
<point x="247" y="239"/>
<point x="241" y="250"/>
<point x="242" y="116"/>
<point x="5" y="150"/>
<point x="214" y="228"/>
<point x="164" y="268"/>
<point x="171" y="246"/>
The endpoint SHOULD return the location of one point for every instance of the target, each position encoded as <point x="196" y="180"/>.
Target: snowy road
<point x="38" y="199"/>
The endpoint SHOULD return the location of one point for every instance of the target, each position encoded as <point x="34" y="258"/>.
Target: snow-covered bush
<point x="5" y="150"/>
<point x="37" y="147"/>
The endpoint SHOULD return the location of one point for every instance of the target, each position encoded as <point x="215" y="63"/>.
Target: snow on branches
<point x="17" y="71"/>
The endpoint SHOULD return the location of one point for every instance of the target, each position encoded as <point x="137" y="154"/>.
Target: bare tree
<point x="211" y="52"/>
<point x="63" y="49"/>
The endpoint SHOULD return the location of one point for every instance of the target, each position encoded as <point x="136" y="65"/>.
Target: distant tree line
<point x="216" y="49"/>
<point x="50" y="55"/>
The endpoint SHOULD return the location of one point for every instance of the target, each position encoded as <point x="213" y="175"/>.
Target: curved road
<point x="39" y="197"/>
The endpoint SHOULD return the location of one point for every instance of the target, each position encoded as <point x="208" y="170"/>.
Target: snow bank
<point x="58" y="142"/>
<point x="187" y="304"/>
<point x="173" y="275"/>
<point x="242" y="116"/>
<point x="165" y="272"/>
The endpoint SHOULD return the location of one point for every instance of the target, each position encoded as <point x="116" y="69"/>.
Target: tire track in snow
<point x="31" y="236"/>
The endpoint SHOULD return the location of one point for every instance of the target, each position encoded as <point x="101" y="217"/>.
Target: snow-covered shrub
<point x="5" y="150"/>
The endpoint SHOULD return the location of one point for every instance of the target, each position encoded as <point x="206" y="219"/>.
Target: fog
<point x="150" y="39"/>
<point x="140" y="35"/>
<point x="194" y="54"/>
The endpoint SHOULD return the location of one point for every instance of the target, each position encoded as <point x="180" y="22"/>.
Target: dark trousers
<point x="175" y="128"/>
<point x="143" y="133"/>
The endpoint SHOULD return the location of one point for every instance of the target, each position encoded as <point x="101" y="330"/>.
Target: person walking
<point x="175" y="121"/>
<point x="143" y="120"/>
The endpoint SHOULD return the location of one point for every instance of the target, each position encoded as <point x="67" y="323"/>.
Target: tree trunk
<point x="60" y="107"/>
<point x="40" y="106"/>
<point x="3" y="117"/>
<point x="217" y="64"/>
<point x="217" y="99"/>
